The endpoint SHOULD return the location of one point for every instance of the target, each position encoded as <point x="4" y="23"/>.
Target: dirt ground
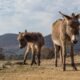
<point x="47" y="71"/>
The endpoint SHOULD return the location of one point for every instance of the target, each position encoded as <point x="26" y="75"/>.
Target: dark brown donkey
<point x="32" y="42"/>
<point x="65" y="32"/>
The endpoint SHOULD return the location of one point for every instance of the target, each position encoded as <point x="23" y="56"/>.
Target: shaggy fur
<point x="32" y="42"/>
<point x="65" y="32"/>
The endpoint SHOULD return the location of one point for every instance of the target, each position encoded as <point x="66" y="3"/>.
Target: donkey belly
<point x="57" y="42"/>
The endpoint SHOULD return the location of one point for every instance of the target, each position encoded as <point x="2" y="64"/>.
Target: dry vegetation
<point x="47" y="71"/>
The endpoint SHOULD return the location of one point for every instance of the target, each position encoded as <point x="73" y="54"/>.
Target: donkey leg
<point x="38" y="56"/>
<point x="61" y="57"/>
<point x="55" y="55"/>
<point x="64" y="55"/>
<point x="33" y="59"/>
<point x="72" y="58"/>
<point x="57" y="48"/>
<point x="33" y="55"/>
<point x="64" y="62"/>
<point x="35" y="62"/>
<point x="25" y="55"/>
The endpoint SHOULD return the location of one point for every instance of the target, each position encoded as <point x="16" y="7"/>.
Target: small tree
<point x="1" y="54"/>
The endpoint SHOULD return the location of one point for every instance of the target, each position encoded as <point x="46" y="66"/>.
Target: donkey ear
<point x="77" y="16"/>
<point x="25" y="30"/>
<point x="19" y="32"/>
<point x="65" y="16"/>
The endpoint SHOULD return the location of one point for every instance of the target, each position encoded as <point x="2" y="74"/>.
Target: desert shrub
<point x="2" y="57"/>
<point x="47" y="53"/>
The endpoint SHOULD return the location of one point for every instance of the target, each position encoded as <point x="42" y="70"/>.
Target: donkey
<point x="33" y="42"/>
<point x="65" y="33"/>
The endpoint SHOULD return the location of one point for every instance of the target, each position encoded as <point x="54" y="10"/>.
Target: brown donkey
<point x="65" y="32"/>
<point x="33" y="42"/>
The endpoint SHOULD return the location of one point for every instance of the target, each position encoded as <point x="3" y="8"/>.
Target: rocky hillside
<point x="48" y="41"/>
<point x="10" y="47"/>
<point x="8" y="41"/>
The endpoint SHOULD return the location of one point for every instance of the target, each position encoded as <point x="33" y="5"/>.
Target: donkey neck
<point x="31" y="37"/>
<point x="67" y="33"/>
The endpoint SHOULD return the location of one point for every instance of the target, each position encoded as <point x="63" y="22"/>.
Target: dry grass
<point x="46" y="71"/>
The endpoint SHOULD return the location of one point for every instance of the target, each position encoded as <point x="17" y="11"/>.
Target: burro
<point x="65" y="33"/>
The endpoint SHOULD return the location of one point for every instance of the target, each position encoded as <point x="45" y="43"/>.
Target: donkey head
<point x="22" y="40"/>
<point x="72" y="26"/>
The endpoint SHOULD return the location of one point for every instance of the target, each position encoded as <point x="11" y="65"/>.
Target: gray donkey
<point x="33" y="42"/>
<point x="65" y="32"/>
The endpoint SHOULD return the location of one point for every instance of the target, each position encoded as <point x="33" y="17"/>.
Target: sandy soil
<point x="46" y="71"/>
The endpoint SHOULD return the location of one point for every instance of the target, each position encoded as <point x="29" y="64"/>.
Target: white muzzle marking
<point x="74" y="37"/>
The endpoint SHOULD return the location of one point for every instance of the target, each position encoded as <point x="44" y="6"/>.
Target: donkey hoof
<point x="25" y="63"/>
<point x="75" y="68"/>
<point x="56" y="65"/>
<point x="64" y="69"/>
<point x="31" y="64"/>
<point x="35" y="62"/>
<point x="38" y="64"/>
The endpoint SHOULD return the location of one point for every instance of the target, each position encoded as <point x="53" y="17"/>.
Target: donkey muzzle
<point x="75" y="41"/>
<point x="20" y="46"/>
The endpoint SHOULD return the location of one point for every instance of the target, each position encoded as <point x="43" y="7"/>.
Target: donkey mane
<point x="33" y="42"/>
<point x="65" y="32"/>
<point x="57" y="21"/>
